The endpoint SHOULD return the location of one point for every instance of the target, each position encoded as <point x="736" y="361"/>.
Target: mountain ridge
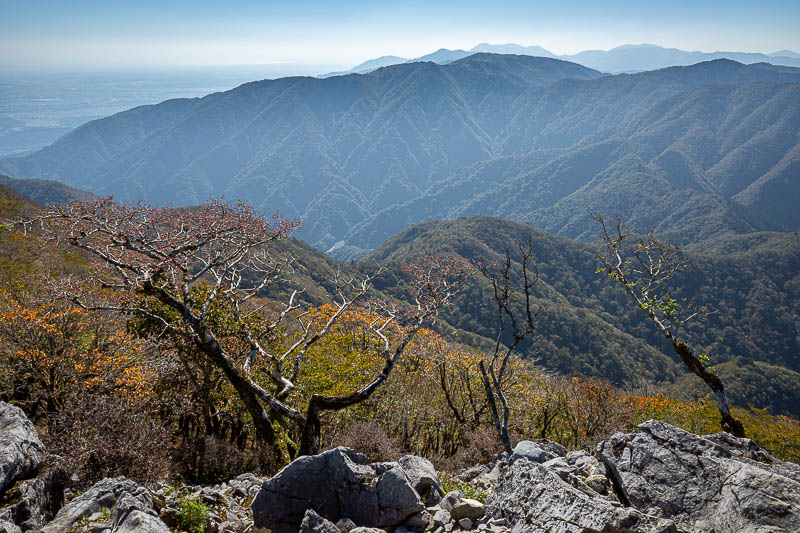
<point x="540" y="140"/>
<point x="45" y="192"/>
<point x="623" y="58"/>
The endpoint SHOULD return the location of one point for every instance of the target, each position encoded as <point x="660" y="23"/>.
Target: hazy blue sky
<point x="106" y="33"/>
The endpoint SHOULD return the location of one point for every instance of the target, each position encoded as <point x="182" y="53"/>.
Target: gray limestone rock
<point x="34" y="502"/>
<point x="450" y="499"/>
<point x="467" y="508"/>
<point x="21" y="451"/>
<point x="715" y="483"/>
<point x="420" y="521"/>
<point x="31" y="480"/>
<point x="336" y="483"/>
<point x="598" y="483"/>
<point x="121" y="496"/>
<point x="314" y="523"/>
<point x="422" y="476"/>
<point x="553" y="447"/>
<point x="558" y="466"/>
<point x="531" y="451"/>
<point x="127" y="503"/>
<point x="441" y="517"/>
<point x="141" y="522"/>
<point x="465" y="523"/>
<point x="345" y="525"/>
<point x="585" y="464"/>
<point x="8" y="527"/>
<point x="532" y="498"/>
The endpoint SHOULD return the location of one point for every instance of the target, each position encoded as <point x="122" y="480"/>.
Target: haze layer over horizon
<point x="94" y="34"/>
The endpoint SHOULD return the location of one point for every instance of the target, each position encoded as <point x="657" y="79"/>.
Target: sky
<point x="112" y="34"/>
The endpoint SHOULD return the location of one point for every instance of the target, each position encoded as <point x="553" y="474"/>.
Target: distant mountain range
<point x="625" y="58"/>
<point x="700" y="152"/>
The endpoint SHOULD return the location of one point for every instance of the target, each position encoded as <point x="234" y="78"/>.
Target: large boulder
<point x="532" y="498"/>
<point x="714" y="483"/>
<point x="336" y="484"/>
<point x="21" y="451"/>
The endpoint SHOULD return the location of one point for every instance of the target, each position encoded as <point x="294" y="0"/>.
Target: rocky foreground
<point x="657" y="479"/>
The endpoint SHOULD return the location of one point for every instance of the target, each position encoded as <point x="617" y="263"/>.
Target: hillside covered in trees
<point x="183" y="404"/>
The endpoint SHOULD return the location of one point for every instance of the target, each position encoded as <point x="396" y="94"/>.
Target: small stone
<point x="465" y="523"/>
<point x="169" y="516"/>
<point x="450" y="499"/>
<point x="420" y="520"/>
<point x="598" y="483"/>
<point x="554" y="448"/>
<point x="346" y="525"/>
<point x="314" y="523"/>
<point x="559" y="466"/>
<point x="467" y="508"/>
<point x="441" y="517"/>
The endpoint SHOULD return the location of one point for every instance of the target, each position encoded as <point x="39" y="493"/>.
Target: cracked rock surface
<point x="533" y="498"/>
<point x="31" y="482"/>
<point x="21" y="451"/>
<point x="113" y="503"/>
<point x="716" y="483"/>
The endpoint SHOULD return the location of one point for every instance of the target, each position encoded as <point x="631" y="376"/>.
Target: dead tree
<point x="645" y="276"/>
<point x="510" y="322"/>
<point x="145" y="254"/>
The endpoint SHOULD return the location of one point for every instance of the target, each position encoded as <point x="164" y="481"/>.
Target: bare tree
<point x="510" y="322"/>
<point x="645" y="276"/>
<point x="147" y="254"/>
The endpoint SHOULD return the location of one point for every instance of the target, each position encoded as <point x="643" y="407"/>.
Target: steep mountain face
<point x="700" y="151"/>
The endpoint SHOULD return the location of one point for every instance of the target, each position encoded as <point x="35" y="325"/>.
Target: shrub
<point x="467" y="489"/>
<point x="104" y="436"/>
<point x="209" y="459"/>
<point x="369" y="438"/>
<point x="192" y="515"/>
<point x="479" y="447"/>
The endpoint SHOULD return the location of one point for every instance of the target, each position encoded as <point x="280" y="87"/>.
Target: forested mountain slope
<point x="45" y="192"/>
<point x="703" y="152"/>
<point x="587" y="325"/>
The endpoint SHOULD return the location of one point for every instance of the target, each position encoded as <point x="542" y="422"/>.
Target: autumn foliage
<point x="142" y="343"/>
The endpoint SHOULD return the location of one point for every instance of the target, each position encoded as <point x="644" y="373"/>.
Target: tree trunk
<point x="729" y="423"/>
<point x="501" y="427"/>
